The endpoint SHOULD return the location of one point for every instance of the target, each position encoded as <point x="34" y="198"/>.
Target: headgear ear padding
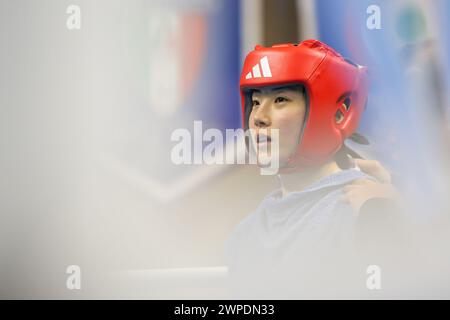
<point x="332" y="85"/>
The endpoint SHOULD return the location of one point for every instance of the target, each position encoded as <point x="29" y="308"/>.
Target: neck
<point x="298" y="181"/>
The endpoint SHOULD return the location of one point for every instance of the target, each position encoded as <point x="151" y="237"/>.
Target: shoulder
<point x="248" y="223"/>
<point x="248" y="228"/>
<point x="244" y="227"/>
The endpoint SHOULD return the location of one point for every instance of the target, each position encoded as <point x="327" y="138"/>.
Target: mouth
<point x="262" y="138"/>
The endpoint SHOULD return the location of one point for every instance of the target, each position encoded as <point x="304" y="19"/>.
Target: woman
<point x="301" y="239"/>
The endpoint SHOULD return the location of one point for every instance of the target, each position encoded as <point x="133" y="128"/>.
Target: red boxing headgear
<point x="332" y="84"/>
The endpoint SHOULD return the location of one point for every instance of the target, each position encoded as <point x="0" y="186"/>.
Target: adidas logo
<point x="256" y="71"/>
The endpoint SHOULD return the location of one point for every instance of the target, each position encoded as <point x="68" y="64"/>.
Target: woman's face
<point x="281" y="108"/>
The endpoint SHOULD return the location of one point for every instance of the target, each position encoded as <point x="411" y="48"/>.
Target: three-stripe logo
<point x="256" y="70"/>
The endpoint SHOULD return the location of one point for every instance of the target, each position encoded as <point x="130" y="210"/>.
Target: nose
<point x="261" y="118"/>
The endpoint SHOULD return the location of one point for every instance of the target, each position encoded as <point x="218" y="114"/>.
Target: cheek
<point x="290" y="124"/>
<point x="251" y="123"/>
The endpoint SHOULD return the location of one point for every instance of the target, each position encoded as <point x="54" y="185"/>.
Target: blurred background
<point x="87" y="116"/>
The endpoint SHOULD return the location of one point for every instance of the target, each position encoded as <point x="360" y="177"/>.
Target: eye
<point x="281" y="99"/>
<point x="255" y="103"/>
